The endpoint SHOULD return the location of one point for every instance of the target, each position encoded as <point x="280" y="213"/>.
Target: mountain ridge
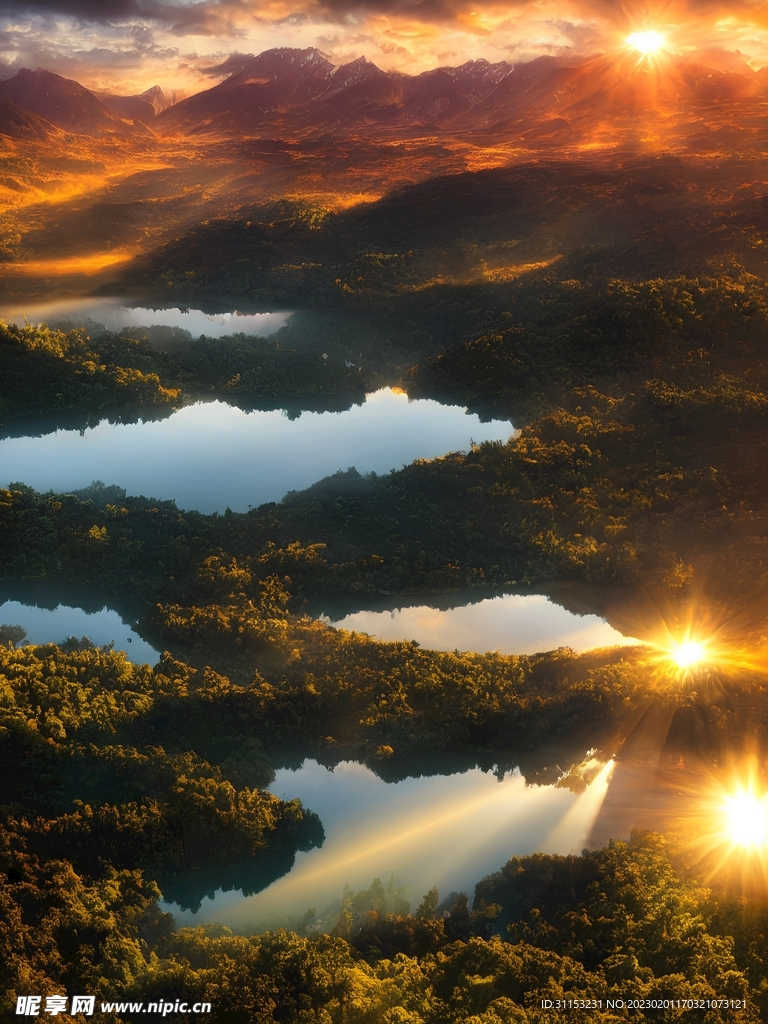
<point x="288" y="91"/>
<point x="143" y="106"/>
<point x="63" y="103"/>
<point x="307" y="85"/>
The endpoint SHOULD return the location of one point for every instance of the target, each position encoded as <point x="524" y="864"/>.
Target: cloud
<point x="98" y="60"/>
<point x="179" y="16"/>
<point x="194" y="17"/>
<point x="217" y="16"/>
<point x="89" y="10"/>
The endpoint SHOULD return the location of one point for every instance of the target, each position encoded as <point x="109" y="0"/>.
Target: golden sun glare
<point x="694" y="655"/>
<point x="728" y="821"/>
<point x="688" y="654"/>
<point x="746" y="817"/>
<point x="646" y="42"/>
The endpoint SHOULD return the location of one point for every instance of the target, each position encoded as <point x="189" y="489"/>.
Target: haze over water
<point x="116" y="315"/>
<point x="443" y="830"/>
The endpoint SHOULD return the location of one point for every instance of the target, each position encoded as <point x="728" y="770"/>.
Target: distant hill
<point x="615" y="85"/>
<point x="639" y="218"/>
<point x="613" y="99"/>
<point x="63" y="103"/>
<point x="143" y="107"/>
<point x="264" y="88"/>
<point x="288" y="138"/>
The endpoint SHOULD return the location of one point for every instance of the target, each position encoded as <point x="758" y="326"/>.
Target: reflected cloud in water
<point x="512" y="624"/>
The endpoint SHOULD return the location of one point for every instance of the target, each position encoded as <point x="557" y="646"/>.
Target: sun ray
<point x="699" y="639"/>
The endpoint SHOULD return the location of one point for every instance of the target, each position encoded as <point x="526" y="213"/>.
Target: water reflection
<point x="116" y="315"/>
<point x="447" y="831"/>
<point x="512" y="624"/>
<point x="53" y="625"/>
<point x="212" y="456"/>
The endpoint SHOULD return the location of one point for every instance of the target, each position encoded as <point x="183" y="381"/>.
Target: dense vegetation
<point x="94" y="789"/>
<point x="52" y="372"/>
<point x="640" y="465"/>
<point x="317" y="692"/>
<point x="643" y="405"/>
<point x="617" y="923"/>
<point x="134" y="778"/>
<point x="512" y="348"/>
<point x="244" y="370"/>
<point x="652" y="216"/>
<point x="70" y="379"/>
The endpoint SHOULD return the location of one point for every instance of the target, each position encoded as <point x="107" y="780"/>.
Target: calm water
<point x="443" y="830"/>
<point x="212" y="456"/>
<point x="116" y="316"/>
<point x="53" y="625"/>
<point x="512" y="624"/>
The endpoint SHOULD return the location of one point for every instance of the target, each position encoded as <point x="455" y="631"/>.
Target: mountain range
<point x="290" y="92"/>
<point x="302" y="87"/>
<point x="90" y="182"/>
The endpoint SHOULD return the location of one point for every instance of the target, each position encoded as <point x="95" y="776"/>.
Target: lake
<point x="102" y="626"/>
<point x="116" y="315"/>
<point x="213" y="456"/>
<point x="512" y="624"/>
<point x="210" y="456"/>
<point x="443" y="830"/>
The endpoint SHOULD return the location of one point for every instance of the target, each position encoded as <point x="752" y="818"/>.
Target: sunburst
<point x="647" y="42"/>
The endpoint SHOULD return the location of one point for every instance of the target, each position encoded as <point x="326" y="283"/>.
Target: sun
<point x="646" y="42"/>
<point x="746" y="819"/>
<point x="686" y="658"/>
<point x="729" y="838"/>
<point x="688" y="654"/>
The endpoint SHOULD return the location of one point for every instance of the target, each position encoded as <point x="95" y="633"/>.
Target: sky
<point x="126" y="46"/>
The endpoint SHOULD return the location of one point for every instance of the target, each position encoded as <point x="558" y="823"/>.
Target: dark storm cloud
<point x="204" y="17"/>
<point x="109" y="12"/>
<point x="90" y="10"/>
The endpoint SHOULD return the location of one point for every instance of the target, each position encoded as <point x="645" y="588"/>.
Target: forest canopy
<point x="641" y="407"/>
